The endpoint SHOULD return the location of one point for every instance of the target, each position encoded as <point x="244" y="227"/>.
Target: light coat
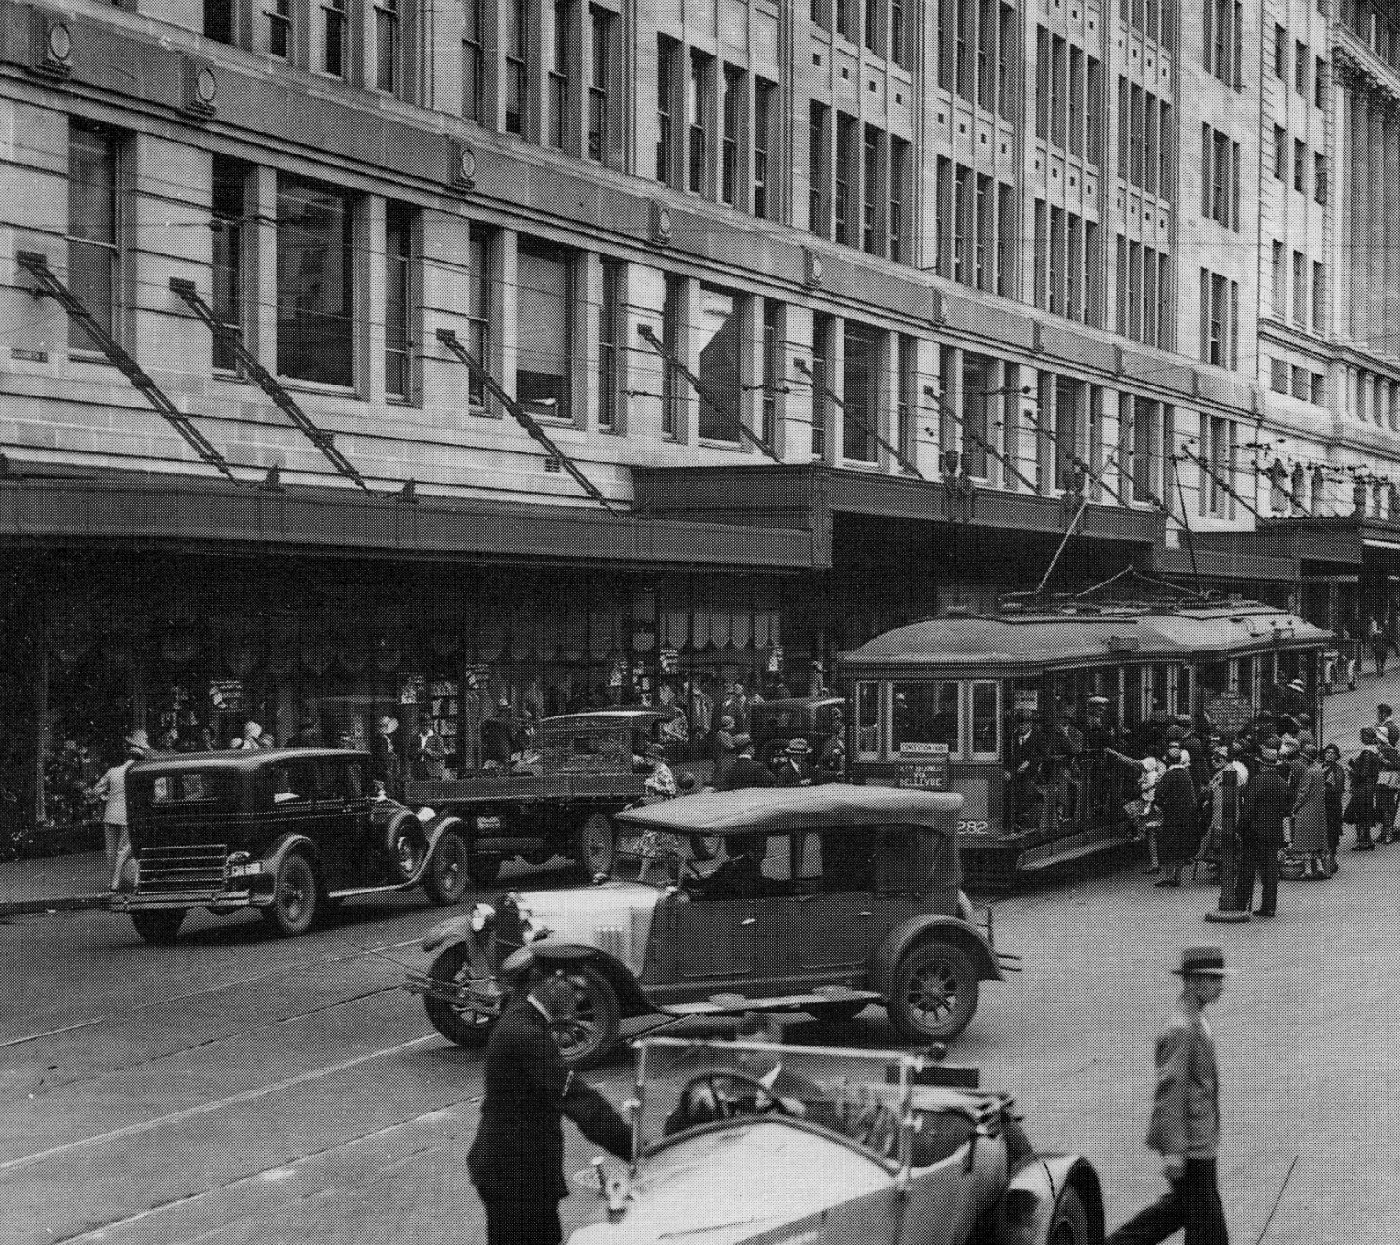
<point x="1310" y="812"/>
<point x="1186" y="1109"/>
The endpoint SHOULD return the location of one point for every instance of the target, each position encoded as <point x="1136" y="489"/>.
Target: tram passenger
<point x="1027" y="754"/>
<point x="1099" y="736"/>
<point x="1066" y="751"/>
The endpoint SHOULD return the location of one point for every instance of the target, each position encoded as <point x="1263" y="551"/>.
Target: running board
<point x="1071" y="853"/>
<point x="730" y="1004"/>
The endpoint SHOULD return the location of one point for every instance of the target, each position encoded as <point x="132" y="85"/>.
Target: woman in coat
<point x="1365" y="771"/>
<point x="1310" y="818"/>
<point x="1334" y="781"/>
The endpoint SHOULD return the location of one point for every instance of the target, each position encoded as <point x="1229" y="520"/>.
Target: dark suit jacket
<point x="1268" y="799"/>
<point x="518" y="1153"/>
<point x="428" y="755"/>
<point x="746" y="772"/>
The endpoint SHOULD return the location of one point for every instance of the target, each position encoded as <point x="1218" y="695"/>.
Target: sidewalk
<point x="54" y="883"/>
<point x="63" y="883"/>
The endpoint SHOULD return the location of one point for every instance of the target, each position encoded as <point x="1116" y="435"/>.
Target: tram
<point x="1024" y="713"/>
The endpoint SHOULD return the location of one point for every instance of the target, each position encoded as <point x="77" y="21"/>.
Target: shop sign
<point x="670" y="661"/>
<point x="923" y="766"/>
<point x="1027" y="699"/>
<point x="775" y="659"/>
<point x="226" y="695"/>
<point x="1229" y="712"/>
<point x="412" y="689"/>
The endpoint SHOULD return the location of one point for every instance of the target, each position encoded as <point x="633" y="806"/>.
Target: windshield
<point x="860" y="1095"/>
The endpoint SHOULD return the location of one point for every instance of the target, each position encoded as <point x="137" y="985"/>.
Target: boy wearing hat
<point x="1185" y="1126"/>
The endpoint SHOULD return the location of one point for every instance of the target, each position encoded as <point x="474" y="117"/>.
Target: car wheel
<point x="837" y="1013"/>
<point x="465" y="1028"/>
<point x="934" y="994"/>
<point x="1070" y="1225"/>
<point x="485" y="870"/>
<point x="595" y="845"/>
<point x="160" y="926"/>
<point x="592" y="1033"/>
<point x="295" y="897"/>
<point x="406" y="852"/>
<point x="446" y="880"/>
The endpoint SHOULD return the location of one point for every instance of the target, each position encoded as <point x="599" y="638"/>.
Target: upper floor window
<point x="277" y="14"/>
<point x="609" y="334"/>
<point x="698" y="101"/>
<point x="333" y="38"/>
<point x="473" y="59"/>
<point x="228" y="207"/>
<point x="545" y="303"/>
<point x="672" y="317"/>
<point x="219" y="20"/>
<point x="1223" y="40"/>
<point x="480" y="248"/>
<point x="315" y="282"/>
<point x="603" y="32"/>
<point x="517" y="46"/>
<point x="860" y="399"/>
<point x="764" y="98"/>
<point x="722" y="339"/>
<point x="398" y="301"/>
<point x="667" y="56"/>
<point x="94" y="229"/>
<point x="732" y="102"/>
<point x="818" y="136"/>
<point x="560" y="73"/>
<point x="388" y="72"/>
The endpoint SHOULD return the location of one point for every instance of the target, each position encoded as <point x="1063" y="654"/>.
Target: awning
<point x="809" y="496"/>
<point x="188" y="513"/>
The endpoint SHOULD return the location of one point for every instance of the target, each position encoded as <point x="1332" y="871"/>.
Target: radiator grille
<point x="196" y="866"/>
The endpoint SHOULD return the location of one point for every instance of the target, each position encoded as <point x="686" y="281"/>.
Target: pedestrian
<point x="498" y="737"/>
<point x="427" y="753"/>
<point x="516" y="1161"/>
<point x="660" y="782"/>
<point x="1334" y="781"/>
<point x="725" y="742"/>
<point x="1027" y="757"/>
<point x="1364" y="771"/>
<point x="1215" y="797"/>
<point x="792" y="769"/>
<point x="1146" y="816"/>
<point x="1195" y="749"/>
<point x="1379" y="643"/>
<point x="385" y="765"/>
<point x="111" y="788"/>
<point x="1310" y="817"/>
<point x="746" y="772"/>
<point x="1185" y="1125"/>
<point x="1268" y="799"/>
<point x="1388" y="784"/>
<point x="1180" y="832"/>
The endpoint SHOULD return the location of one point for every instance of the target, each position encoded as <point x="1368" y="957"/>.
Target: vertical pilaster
<point x="370" y="279"/>
<point x="1375" y="232"/>
<point x="505" y="315"/>
<point x="263" y="313"/>
<point x="584" y="382"/>
<point x="794" y="416"/>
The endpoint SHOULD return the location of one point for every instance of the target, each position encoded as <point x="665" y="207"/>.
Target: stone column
<point x="1390" y="206"/>
<point x="1355" y="146"/>
<point x="1375" y="232"/>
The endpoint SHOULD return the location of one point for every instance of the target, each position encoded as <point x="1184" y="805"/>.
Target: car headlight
<point x="482" y="916"/>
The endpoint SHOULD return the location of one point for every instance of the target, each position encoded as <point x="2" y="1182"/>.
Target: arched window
<point x="1295" y="493"/>
<point x="1278" y="499"/>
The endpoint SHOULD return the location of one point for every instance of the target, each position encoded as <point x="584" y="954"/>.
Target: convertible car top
<point x="783" y="810"/>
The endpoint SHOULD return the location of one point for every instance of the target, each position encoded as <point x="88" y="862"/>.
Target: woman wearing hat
<point x="1334" y="782"/>
<point x="1310" y="817"/>
<point x="1365" y="772"/>
<point x="792" y="769"/>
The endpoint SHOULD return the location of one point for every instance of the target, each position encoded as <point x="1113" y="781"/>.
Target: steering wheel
<point x="725" y="1096"/>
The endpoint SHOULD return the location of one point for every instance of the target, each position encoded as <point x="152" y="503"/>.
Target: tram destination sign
<point x="923" y="766"/>
<point x="1229" y="712"/>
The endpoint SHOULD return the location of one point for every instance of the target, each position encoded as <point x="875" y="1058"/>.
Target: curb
<point x="58" y="903"/>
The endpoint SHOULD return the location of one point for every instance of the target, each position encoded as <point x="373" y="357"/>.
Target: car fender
<point x="1027" y="1207"/>
<point x="881" y="966"/>
<point x="629" y="994"/>
<point x="448" y="933"/>
<point x="284" y="847"/>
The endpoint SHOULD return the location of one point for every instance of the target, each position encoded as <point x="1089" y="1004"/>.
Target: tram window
<point x="925" y="713"/>
<point x="867" y="720"/>
<point x="1183" y="689"/>
<point x="985" y="719"/>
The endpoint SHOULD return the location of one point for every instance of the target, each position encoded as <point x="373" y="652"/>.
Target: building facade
<point x="369" y="353"/>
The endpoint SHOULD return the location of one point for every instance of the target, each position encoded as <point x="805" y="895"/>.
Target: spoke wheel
<point x="465" y="1028"/>
<point x="446" y="880"/>
<point x="296" y="898"/>
<point x="934" y="993"/>
<point x="592" y="1033"/>
<point x="1070" y="1226"/>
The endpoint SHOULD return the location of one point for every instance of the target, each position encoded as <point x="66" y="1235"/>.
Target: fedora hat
<point x="1297" y="685"/>
<point x="799" y="746"/>
<point x="1203" y="962"/>
<point x="138" y="739"/>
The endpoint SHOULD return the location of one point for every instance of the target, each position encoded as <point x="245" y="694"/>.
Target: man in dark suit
<point x="746" y="772"/>
<point x="1268" y="799"/>
<point x="517" y="1159"/>
<point x="428" y="756"/>
<point x="1027" y="754"/>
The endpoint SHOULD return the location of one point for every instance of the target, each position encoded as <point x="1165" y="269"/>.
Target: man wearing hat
<point x="1268" y="799"/>
<point x="792" y="769"/>
<point x="725" y="741"/>
<point x="1185" y="1126"/>
<point x="517" y="1159"/>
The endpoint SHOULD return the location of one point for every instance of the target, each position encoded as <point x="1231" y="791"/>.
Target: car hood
<point x="613" y="916"/>
<point x="730" y="1185"/>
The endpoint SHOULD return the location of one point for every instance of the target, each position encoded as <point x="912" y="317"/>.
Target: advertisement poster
<point x="226" y="695"/>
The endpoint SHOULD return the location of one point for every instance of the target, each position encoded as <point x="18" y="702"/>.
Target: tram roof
<point x="1087" y="637"/>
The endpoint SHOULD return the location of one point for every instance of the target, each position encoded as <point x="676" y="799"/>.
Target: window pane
<point x="92" y="229"/>
<point x="315" y="296"/>
<point x="985" y="719"/>
<point x="720" y="339"/>
<point x="546" y="329"/>
<point x="397" y="298"/>
<point x="227" y="210"/>
<point x="868" y="719"/>
<point x="861" y="397"/>
<point x="925" y="713"/>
